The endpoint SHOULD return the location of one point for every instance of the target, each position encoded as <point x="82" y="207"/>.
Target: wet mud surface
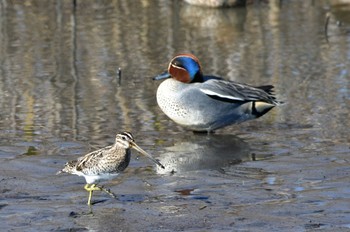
<point x="298" y="192"/>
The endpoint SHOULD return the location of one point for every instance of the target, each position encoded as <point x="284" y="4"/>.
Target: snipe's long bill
<point x="105" y="163"/>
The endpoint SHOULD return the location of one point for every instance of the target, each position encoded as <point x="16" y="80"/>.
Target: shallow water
<point x="60" y="97"/>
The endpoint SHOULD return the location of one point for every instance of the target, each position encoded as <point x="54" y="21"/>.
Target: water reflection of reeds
<point x="58" y="63"/>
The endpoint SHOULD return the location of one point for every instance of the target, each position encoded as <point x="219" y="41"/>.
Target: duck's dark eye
<point x="178" y="63"/>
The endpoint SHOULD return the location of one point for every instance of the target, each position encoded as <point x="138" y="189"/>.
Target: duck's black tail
<point x="269" y="90"/>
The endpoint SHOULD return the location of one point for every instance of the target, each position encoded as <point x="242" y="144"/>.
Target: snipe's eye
<point x="123" y="137"/>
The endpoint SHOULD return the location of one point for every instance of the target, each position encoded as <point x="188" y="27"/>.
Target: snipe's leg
<point x="90" y="189"/>
<point x="93" y="187"/>
<point x="106" y="191"/>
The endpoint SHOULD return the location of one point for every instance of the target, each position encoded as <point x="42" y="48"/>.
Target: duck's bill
<point x="164" y="75"/>
<point x="139" y="149"/>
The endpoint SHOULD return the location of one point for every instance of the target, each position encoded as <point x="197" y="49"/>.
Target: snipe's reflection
<point x="197" y="151"/>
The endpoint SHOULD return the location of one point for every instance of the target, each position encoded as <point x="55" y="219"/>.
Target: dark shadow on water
<point x="201" y="151"/>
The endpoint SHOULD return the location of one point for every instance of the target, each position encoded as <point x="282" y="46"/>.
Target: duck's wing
<point x="230" y="91"/>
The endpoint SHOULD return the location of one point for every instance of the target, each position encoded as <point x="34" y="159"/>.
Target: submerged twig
<point x="328" y="16"/>
<point x="119" y="76"/>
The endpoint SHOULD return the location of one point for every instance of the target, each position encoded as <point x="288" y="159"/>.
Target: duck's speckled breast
<point x="171" y="99"/>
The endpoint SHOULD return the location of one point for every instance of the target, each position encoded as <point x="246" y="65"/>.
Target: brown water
<point x="60" y="98"/>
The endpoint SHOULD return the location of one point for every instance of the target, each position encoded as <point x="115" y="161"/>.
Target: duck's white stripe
<point x="209" y="92"/>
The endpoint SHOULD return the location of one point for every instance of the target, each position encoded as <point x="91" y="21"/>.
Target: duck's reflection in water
<point x="197" y="151"/>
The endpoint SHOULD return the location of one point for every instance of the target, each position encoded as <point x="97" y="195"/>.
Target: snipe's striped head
<point x="124" y="139"/>
<point x="184" y="68"/>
